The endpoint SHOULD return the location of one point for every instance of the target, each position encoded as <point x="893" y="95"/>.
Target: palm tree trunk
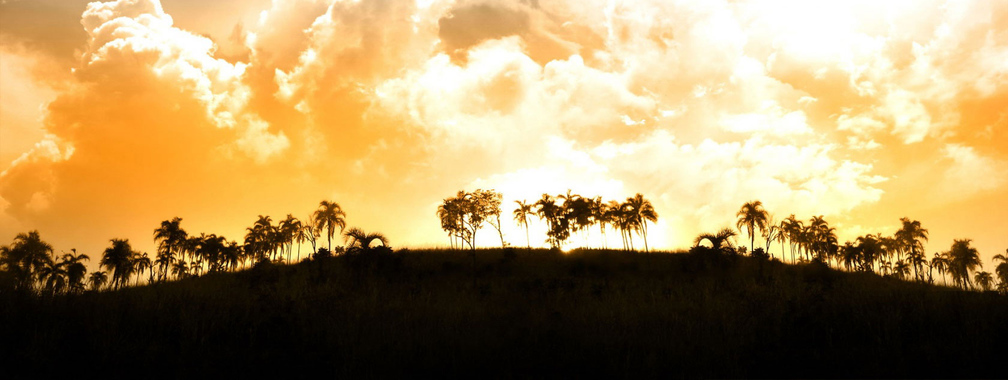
<point x="644" y="234"/>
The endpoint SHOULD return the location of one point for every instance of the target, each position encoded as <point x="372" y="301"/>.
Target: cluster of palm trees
<point x="31" y="264"/>
<point x="900" y="255"/>
<point x="564" y="215"/>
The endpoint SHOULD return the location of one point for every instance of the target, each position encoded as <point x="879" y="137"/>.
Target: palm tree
<point x="941" y="263"/>
<point x="641" y="212"/>
<point x="752" y="216"/>
<point x="53" y="276"/>
<point x="720" y="241"/>
<point x="360" y="241"/>
<point x="26" y="257"/>
<point x="600" y="214"/>
<point x="97" y="280"/>
<point x="521" y="215"/>
<point x="170" y="238"/>
<point x="547" y="210"/>
<point x="1002" y="272"/>
<point x="288" y="232"/>
<point x="912" y="237"/>
<point x="902" y="269"/>
<point x="328" y="216"/>
<point x="984" y="280"/>
<point x="963" y="259"/>
<point x="118" y="259"/>
<point x="180" y="269"/>
<point x="141" y="263"/>
<point x="75" y="269"/>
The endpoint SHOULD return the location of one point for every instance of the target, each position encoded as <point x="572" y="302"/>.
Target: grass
<point x="517" y="313"/>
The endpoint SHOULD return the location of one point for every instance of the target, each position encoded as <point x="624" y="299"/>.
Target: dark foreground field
<point x="527" y="314"/>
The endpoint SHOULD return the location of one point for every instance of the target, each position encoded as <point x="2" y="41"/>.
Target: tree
<point x="329" y="216"/>
<point x="521" y="215"/>
<point x="720" y="241"/>
<point x="118" y="259"/>
<point x="489" y="203"/>
<point x="911" y="237"/>
<point x="171" y="239"/>
<point x="791" y="229"/>
<point x="940" y="262"/>
<point x="25" y="257"/>
<point x="984" y="280"/>
<point x="75" y="269"/>
<point x="556" y="222"/>
<point x="97" y="280"/>
<point x="641" y="212"/>
<point x="752" y="216"/>
<point x="359" y="241"/>
<point x="288" y="229"/>
<point x="142" y="263"/>
<point x="963" y="259"/>
<point x="1002" y="272"/>
<point x="600" y="214"/>
<point x="53" y="276"/>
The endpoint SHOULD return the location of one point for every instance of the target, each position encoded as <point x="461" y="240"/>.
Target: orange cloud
<point x="843" y="109"/>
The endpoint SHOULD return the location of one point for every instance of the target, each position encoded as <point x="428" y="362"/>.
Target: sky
<point x="115" y="116"/>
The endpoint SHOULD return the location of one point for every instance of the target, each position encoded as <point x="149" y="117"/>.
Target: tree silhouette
<point x="118" y="259"/>
<point x="984" y="280"/>
<point x="521" y="215"/>
<point x="791" y="229"/>
<point x="53" y="276"/>
<point x="600" y="215"/>
<point x="911" y="237"/>
<point x="752" y="216"/>
<point x="963" y="259"/>
<point x="359" y="241"/>
<point x="142" y="263"/>
<point x="641" y="212"/>
<point x="171" y="239"/>
<point x="719" y="241"/>
<point x="75" y="269"/>
<point x="1002" y="272"/>
<point x="97" y="280"/>
<point x="25" y="257"/>
<point x="329" y="216"/>
<point x="556" y="222"/>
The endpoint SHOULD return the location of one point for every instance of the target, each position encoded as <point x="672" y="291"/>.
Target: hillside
<point x="518" y="313"/>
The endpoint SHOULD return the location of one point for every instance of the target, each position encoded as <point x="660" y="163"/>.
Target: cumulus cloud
<point x="388" y="106"/>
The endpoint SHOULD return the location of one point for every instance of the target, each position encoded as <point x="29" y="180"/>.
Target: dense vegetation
<point x="516" y="312"/>
<point x="871" y="307"/>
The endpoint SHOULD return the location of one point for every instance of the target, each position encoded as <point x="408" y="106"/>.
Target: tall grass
<point x="533" y="313"/>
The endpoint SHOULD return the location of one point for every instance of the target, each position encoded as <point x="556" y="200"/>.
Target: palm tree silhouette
<point x="984" y="280"/>
<point x="141" y="263"/>
<point x="1002" y="272"/>
<point x="521" y="215"/>
<point x="360" y="241"/>
<point x="641" y="212"/>
<point x="720" y="241"/>
<point x="76" y="271"/>
<point x="97" y="280"/>
<point x="170" y="238"/>
<point x="791" y="228"/>
<point x="912" y="237"/>
<point x="600" y="215"/>
<point x="26" y="257"/>
<point x="963" y="259"/>
<point x="547" y="210"/>
<point x="53" y="276"/>
<point x="118" y="259"/>
<point x="328" y="216"/>
<point x="752" y="216"/>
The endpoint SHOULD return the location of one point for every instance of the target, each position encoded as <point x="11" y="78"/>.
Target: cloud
<point x="388" y="106"/>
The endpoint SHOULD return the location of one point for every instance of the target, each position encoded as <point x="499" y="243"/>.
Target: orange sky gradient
<point x="115" y="116"/>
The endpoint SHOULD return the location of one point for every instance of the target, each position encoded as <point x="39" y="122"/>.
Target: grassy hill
<point x="515" y="313"/>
